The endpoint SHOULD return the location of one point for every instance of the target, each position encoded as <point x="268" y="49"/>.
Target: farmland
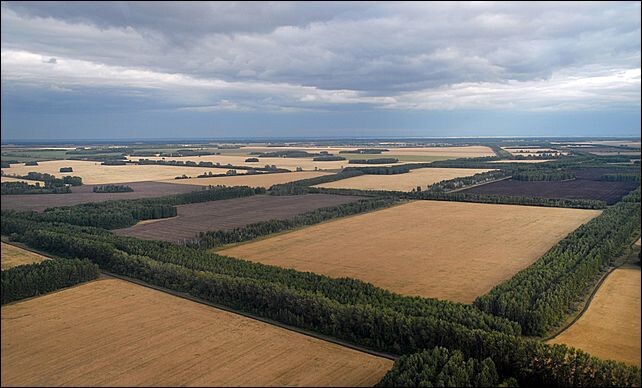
<point x="13" y="256"/>
<point x="402" y="182"/>
<point x="111" y="332"/>
<point x="253" y="180"/>
<point x="610" y="328"/>
<point x="228" y="214"/>
<point x="445" y="250"/>
<point x="586" y="186"/>
<point x="85" y="194"/>
<point x="95" y="173"/>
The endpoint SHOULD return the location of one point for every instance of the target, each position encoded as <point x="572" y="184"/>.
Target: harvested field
<point x="402" y="182"/>
<point x="10" y="179"/>
<point x="586" y="186"/>
<point x="446" y="250"/>
<point x="114" y="333"/>
<point x="229" y="214"/>
<point x="610" y="328"/>
<point x="95" y="173"/>
<point x="258" y="180"/>
<point x="12" y="256"/>
<point x="84" y="194"/>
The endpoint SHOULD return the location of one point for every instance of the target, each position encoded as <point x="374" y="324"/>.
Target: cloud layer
<point x="323" y="57"/>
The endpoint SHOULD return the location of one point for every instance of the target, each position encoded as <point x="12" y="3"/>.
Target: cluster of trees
<point x="328" y="158"/>
<point x="461" y="182"/>
<point x="7" y="163"/>
<point x="302" y="186"/>
<point x="540" y="296"/>
<point x="114" y="163"/>
<point x="31" y="163"/>
<point x="188" y="152"/>
<point x="621" y="177"/>
<point x="440" y="367"/>
<point x="30" y="280"/>
<point x="124" y="213"/>
<point x="252" y="160"/>
<point x="371" y="151"/>
<point x="373" y="161"/>
<point x="507" y="199"/>
<point x="391" y="170"/>
<point x="66" y="169"/>
<point x="543" y="175"/>
<point x="377" y="325"/>
<point x="51" y="180"/>
<point x="97" y="150"/>
<point x="251" y="231"/>
<point x="285" y="154"/>
<point x="112" y="189"/>
<point x="13" y="188"/>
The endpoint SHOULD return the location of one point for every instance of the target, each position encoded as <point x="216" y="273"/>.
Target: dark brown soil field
<point x="229" y="214"/>
<point x="84" y="194"/>
<point x="586" y="186"/>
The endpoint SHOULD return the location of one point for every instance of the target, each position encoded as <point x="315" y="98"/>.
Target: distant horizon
<point x="95" y="70"/>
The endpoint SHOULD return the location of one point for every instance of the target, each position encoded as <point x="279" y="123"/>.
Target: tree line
<point x="112" y="189"/>
<point x="14" y="188"/>
<point x="540" y="296"/>
<point x="543" y="175"/>
<point x="376" y="326"/>
<point x="25" y="281"/>
<point x="51" y="180"/>
<point x="373" y="161"/>
<point x="440" y="367"/>
<point x="620" y="177"/>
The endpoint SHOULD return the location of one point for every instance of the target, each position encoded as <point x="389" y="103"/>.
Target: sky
<point x="118" y="70"/>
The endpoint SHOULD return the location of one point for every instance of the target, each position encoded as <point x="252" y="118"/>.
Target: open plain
<point x="445" y="250"/>
<point x="114" y="333"/>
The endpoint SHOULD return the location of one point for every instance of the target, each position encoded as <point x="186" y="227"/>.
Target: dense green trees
<point x="621" y="177"/>
<point x="373" y="161"/>
<point x="12" y="188"/>
<point x="540" y="296"/>
<point x="440" y="367"/>
<point x="328" y="158"/>
<point x="52" y="180"/>
<point x="112" y="189"/>
<point x="29" y="280"/>
<point x="66" y="169"/>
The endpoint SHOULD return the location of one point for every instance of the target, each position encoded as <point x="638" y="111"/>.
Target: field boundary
<point x="322" y="337"/>
<point x="588" y="301"/>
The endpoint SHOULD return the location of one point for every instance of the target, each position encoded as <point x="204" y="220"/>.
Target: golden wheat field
<point x="95" y="173"/>
<point x="114" y="333"/>
<point x="446" y="250"/>
<point x="253" y="180"/>
<point x="402" y="182"/>
<point x="610" y="328"/>
<point x="12" y="256"/>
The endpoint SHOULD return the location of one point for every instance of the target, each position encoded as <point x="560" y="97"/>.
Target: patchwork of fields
<point x="229" y="214"/>
<point x="114" y="333"/>
<point x="610" y="328"/>
<point x="402" y="182"/>
<point x="445" y="250"/>
<point x="95" y="173"/>
<point x="13" y="256"/>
